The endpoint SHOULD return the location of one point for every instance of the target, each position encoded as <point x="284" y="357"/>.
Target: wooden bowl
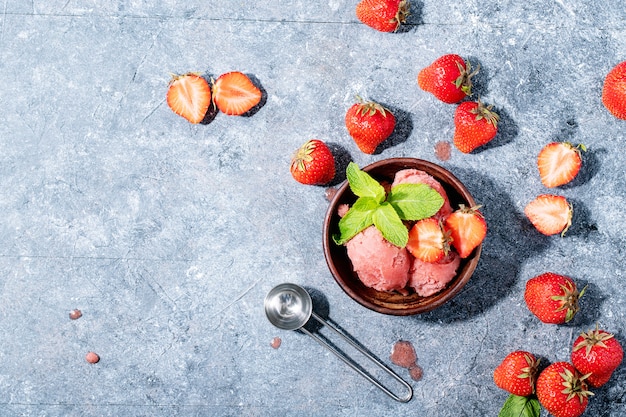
<point x="393" y="303"/>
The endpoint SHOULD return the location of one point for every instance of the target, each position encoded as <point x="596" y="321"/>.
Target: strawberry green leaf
<point x="363" y="185"/>
<point x="356" y="219"/>
<point x="415" y="201"/>
<point x="390" y="225"/>
<point x="516" y="406"/>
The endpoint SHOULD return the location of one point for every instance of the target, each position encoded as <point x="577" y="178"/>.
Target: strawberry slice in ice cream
<point x="415" y="176"/>
<point x="378" y="263"/>
<point x="428" y="278"/>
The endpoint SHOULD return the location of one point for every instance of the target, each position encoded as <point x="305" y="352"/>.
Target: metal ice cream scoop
<point x="289" y="307"/>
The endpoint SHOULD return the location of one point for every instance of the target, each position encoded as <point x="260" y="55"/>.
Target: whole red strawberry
<point x="553" y="298"/>
<point x="369" y="124"/>
<point x="614" y="91"/>
<point x="517" y="373"/>
<point x="475" y="125"/>
<point x="383" y="15"/>
<point x="562" y="390"/>
<point x="448" y="78"/>
<point x="313" y="163"/>
<point x="598" y="353"/>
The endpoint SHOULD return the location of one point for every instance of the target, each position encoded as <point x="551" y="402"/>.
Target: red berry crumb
<point x="416" y="372"/>
<point x="276" y="342"/>
<point x="92" y="357"/>
<point x="443" y="150"/>
<point x="75" y="314"/>
<point x="403" y="354"/>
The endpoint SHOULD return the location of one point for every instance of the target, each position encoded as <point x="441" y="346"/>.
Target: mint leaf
<point x="390" y="225"/>
<point x="415" y="201"/>
<point x="363" y="185"/>
<point x="516" y="406"/>
<point x="356" y="219"/>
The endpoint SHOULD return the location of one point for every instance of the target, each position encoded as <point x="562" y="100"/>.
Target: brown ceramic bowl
<point x="390" y="302"/>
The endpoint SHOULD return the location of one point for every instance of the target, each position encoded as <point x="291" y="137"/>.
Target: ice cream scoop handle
<point x="347" y="361"/>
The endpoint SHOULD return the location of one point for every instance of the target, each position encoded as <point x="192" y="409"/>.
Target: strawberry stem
<point x="486" y="112"/>
<point x="371" y="107"/>
<point x="464" y="80"/>
<point x="569" y="300"/>
<point x="403" y="12"/>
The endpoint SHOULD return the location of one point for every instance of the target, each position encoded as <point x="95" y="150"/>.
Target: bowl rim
<point x="448" y="180"/>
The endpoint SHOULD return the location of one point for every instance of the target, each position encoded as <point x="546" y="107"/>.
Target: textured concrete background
<point x="168" y="236"/>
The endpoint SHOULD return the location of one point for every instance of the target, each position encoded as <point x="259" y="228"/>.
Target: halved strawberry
<point x="235" y="94"/>
<point x="189" y="96"/>
<point x="550" y="214"/>
<point x="427" y="241"/>
<point x="559" y="163"/>
<point x="467" y="229"/>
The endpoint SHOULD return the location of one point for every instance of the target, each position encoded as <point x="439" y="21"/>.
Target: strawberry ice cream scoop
<point x="415" y="176"/>
<point x="428" y="278"/>
<point x="378" y="263"/>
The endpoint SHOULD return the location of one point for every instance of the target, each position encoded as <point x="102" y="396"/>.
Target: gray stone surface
<point x="168" y="236"/>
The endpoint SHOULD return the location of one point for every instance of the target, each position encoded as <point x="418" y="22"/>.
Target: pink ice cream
<point x="386" y="267"/>
<point x="378" y="263"/>
<point x="415" y="176"/>
<point x="429" y="278"/>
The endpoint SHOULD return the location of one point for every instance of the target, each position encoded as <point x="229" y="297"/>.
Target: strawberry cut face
<point x="235" y="94"/>
<point x="550" y="214"/>
<point x="427" y="241"/>
<point x="467" y="229"/>
<point x="189" y="96"/>
<point x="559" y="163"/>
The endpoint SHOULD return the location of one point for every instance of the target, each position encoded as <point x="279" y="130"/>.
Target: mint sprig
<point x="410" y="202"/>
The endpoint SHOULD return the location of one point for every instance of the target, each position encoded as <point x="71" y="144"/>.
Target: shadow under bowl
<point x="393" y="303"/>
